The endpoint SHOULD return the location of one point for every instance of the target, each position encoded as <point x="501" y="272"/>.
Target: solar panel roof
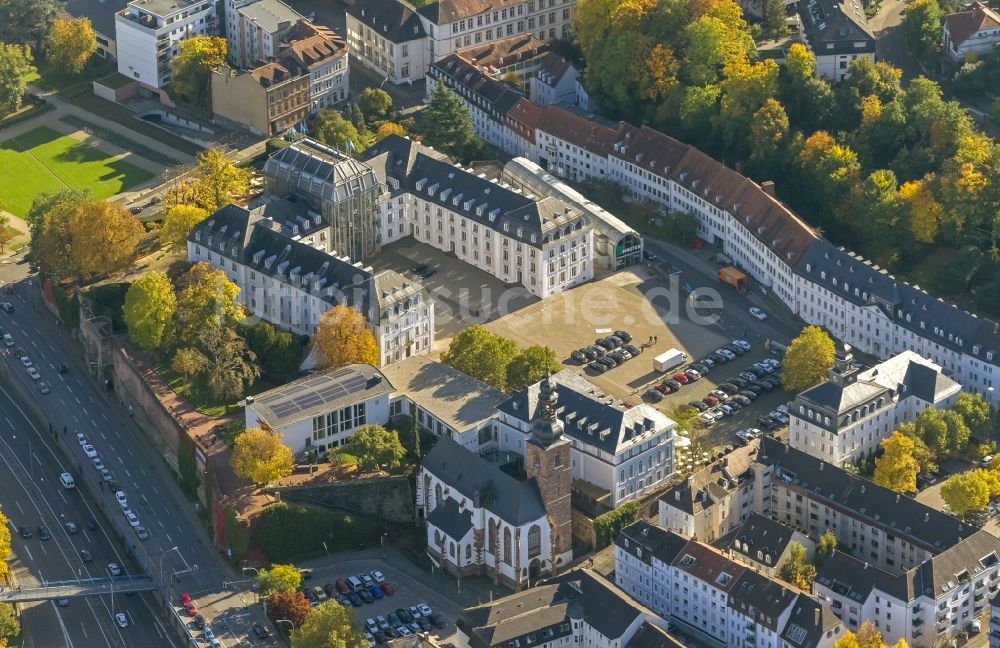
<point x="320" y="393"/>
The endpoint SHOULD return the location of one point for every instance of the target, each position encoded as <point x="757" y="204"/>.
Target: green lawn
<point x="43" y="160"/>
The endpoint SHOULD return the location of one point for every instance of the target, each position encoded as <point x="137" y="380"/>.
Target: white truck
<point x="668" y="360"/>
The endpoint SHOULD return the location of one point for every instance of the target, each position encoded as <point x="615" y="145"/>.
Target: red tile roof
<point x="964" y="24"/>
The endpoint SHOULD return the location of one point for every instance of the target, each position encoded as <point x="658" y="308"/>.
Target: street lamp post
<point x="164" y="555"/>
<point x="257" y="574"/>
<point x="291" y="626"/>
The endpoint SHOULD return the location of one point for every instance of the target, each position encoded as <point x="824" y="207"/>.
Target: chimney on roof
<point x="768" y="187"/>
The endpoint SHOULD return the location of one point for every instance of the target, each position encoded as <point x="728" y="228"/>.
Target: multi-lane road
<point x="177" y="553"/>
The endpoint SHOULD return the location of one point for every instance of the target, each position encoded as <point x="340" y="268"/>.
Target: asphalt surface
<point x="32" y="496"/>
<point x="178" y="551"/>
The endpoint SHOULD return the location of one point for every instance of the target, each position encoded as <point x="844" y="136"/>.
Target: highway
<point x="178" y="550"/>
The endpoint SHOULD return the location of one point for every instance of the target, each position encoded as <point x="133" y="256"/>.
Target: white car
<point x="425" y="609"/>
<point x="378" y="576"/>
<point x="758" y="313"/>
<point x="133" y="519"/>
<point x="98" y="464"/>
<point x="371" y="626"/>
<point x="122" y="500"/>
<point x="89" y="450"/>
<point x="121" y="619"/>
<point x="743" y="344"/>
<point x="34" y="373"/>
<point x="25" y="360"/>
<point x="80" y="438"/>
<point x="415" y="612"/>
<point x="726" y="353"/>
<point x="114" y="569"/>
<point x="706" y="418"/>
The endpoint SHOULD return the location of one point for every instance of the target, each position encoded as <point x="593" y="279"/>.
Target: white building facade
<point x="388" y="37"/>
<point x="148" y="35"/>
<point x="972" y="32"/>
<point x="255" y="28"/>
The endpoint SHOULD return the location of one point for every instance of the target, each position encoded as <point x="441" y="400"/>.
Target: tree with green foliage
<point x="329" y="625"/>
<point x="214" y="182"/>
<point x="149" y="310"/>
<point x="10" y="624"/>
<point x="188" y="362"/>
<point x="28" y="22"/>
<point x="193" y="66"/>
<point x="896" y="468"/>
<point x="607" y="526"/>
<point x="332" y="129"/>
<point x="775" y="18"/>
<point x="922" y="454"/>
<point x="15" y="66"/>
<point x="712" y="45"/>
<point x="808" y="359"/>
<point x="278" y="579"/>
<point x="177" y="225"/>
<point x="922" y="28"/>
<point x="376" y="448"/>
<point x="976" y="411"/>
<point x="375" y="104"/>
<point x="482" y="354"/>
<point x="293" y="607"/>
<point x="825" y="547"/>
<point x="72" y="42"/>
<point x="768" y="138"/>
<point x="531" y="365"/>
<point x="447" y="125"/>
<point x="967" y="491"/>
<point x="796" y="568"/>
<point x="230" y="367"/>
<point x="7" y="233"/>
<point x="278" y="352"/>
<point x="261" y="456"/>
<point x="807" y="98"/>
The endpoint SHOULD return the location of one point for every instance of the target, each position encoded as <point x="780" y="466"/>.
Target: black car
<point x="598" y="351"/>
<point x="366" y="596"/>
<point x="698" y="405"/>
<point x="261" y="631"/>
<point x="767" y="385"/>
<point x="605" y="343"/>
<point x="608" y="362"/>
<point x="632" y="349"/>
<point x="767" y="422"/>
<point x="25" y="532"/>
<point x="589" y="354"/>
<point x="308" y="593"/>
<point x="718" y="358"/>
<point x="742" y="400"/>
<point x="739" y="382"/>
<point x="86" y="556"/>
<point x="624" y="336"/>
<point x="424" y="624"/>
<point x="579" y="356"/>
<point x="729" y="388"/>
<point x="63" y="368"/>
<point x="43" y="533"/>
<point x="596" y="367"/>
<point x="732" y="348"/>
<point x="673" y="383"/>
<point x="355" y="599"/>
<point x="437" y="620"/>
<point x="404" y="615"/>
<point x="746" y="393"/>
<point x="653" y="395"/>
<point x="699" y="367"/>
<point x="92" y="525"/>
<point x="618" y="357"/>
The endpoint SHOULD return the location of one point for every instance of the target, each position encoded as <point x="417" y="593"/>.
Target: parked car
<point x="121" y="619"/>
<point x="738" y="381"/>
<point x="728" y="388"/>
<point x="608" y="362"/>
<point x="624" y="336"/>
<point x="726" y="353"/>
<point x="721" y="395"/>
<point x="342" y="586"/>
<point x="743" y="344"/>
<point x="711" y="400"/>
<point x="749" y="376"/>
<point x="387" y="588"/>
<point x="355" y="599"/>
<point x="652" y="394"/>
<point x="706" y="418"/>
<point x="718" y="358"/>
<point x="376" y="593"/>
<point x="597" y="367"/>
<point x="319" y="593"/>
<point x="589" y="354"/>
<point x="632" y="349"/>
<point x="618" y="357"/>
<point x="673" y="383"/>
<point x="682" y="378"/>
<point x="698" y="405"/>
<point x="732" y="348"/>
<point x="404" y="615"/>
<point x="598" y="351"/>
<point x="742" y="400"/>
<point x="692" y="375"/>
<point x="579" y="356"/>
<point x="366" y="595"/>
<point x="664" y="388"/>
<point x="746" y="393"/>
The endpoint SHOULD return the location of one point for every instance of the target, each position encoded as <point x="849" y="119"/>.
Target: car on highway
<point x="81" y="438"/>
<point x="44" y="387"/>
<point x="86" y="556"/>
<point x="71" y="528"/>
<point x="33" y="374"/>
<point x="121" y="619"/>
<point x="25" y="360"/>
<point x="114" y="569"/>
<point x="63" y="602"/>
<point x="133" y="519"/>
<point x="25" y="532"/>
<point x="758" y="313"/>
<point x="122" y="499"/>
<point x="107" y="476"/>
<point x="43" y="533"/>
<point x="90" y="451"/>
<point x="142" y="533"/>
<point x="98" y="464"/>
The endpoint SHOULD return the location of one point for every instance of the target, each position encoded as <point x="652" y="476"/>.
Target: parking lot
<point x="462" y="294"/>
<point x="658" y="318"/>
<point x="408" y="590"/>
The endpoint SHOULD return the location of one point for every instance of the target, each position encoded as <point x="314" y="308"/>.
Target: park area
<point x="43" y="160"/>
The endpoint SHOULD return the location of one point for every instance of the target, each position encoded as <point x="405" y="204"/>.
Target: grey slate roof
<point x="762" y="599"/>
<point x="587" y="414"/>
<point x="651" y="636"/>
<point x="761" y="533"/>
<point x="499" y="96"/>
<point x="390" y="19"/>
<point x="101" y="13"/>
<point x="650" y="541"/>
<point x="858" y="281"/>
<point x="515" y="502"/>
<point x="855" y="579"/>
<point x="880" y="506"/>
<point x="840" y="23"/>
<point x="433" y="178"/>
<point x="809" y="621"/>
<point x="450" y="520"/>
<point x="709" y="484"/>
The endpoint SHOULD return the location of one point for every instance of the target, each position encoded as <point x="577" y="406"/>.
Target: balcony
<point x="918" y="621"/>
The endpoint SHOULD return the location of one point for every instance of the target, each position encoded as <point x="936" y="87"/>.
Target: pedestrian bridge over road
<point x="50" y="590"/>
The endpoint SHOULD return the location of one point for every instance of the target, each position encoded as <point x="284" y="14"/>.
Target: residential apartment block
<point x="994" y="625"/>
<point x="254" y="29"/>
<point x="822" y="284"/>
<point x="836" y="32"/>
<point x="717" y="601"/>
<point x="521" y="55"/>
<point x="764" y="544"/>
<point x="926" y="604"/>
<point x="624" y="451"/>
<point x="278" y="255"/>
<point x="972" y="32"/>
<point x="324" y="410"/>
<point x="268" y="100"/>
<point x="388" y="37"/>
<point x="148" y="35"/>
<point x="844" y="418"/>
<point x="321" y="52"/>
<point x="577" y="608"/>
<point x="542" y="244"/>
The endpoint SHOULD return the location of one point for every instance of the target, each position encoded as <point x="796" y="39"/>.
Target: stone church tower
<point x="547" y="460"/>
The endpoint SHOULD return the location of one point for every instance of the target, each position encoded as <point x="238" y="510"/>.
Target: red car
<point x="664" y="388"/>
<point x="682" y="378"/>
<point x="710" y="400"/>
<point x="697" y="244"/>
<point x="185" y="599"/>
<point x="342" y="586"/>
<point x="191" y="609"/>
<point x="387" y="588"/>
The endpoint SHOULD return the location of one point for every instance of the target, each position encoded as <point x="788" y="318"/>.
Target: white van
<point x="8" y="340"/>
<point x="67" y="481"/>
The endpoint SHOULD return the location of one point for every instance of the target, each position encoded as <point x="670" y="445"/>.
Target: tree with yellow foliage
<point x="808" y="359"/>
<point x="896" y="468"/>
<point x="385" y="129"/>
<point x="867" y="636"/>
<point x="213" y="183"/>
<point x="260" y="456"/>
<point x="206" y="299"/>
<point x="71" y="43"/>
<point x="343" y="337"/>
<point x="922" y="211"/>
<point x="178" y="223"/>
<point x="80" y="237"/>
<point x="193" y="66"/>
